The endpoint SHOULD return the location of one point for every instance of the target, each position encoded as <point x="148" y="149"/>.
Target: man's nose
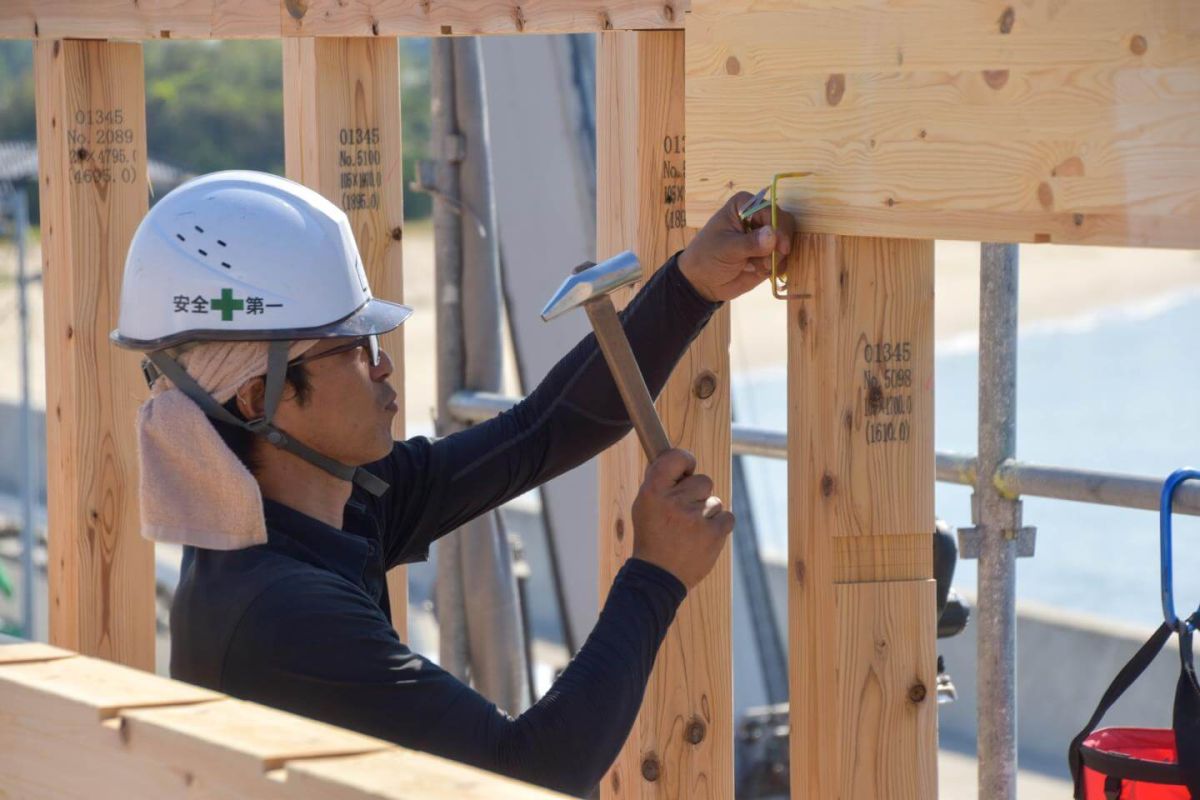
<point x="384" y="368"/>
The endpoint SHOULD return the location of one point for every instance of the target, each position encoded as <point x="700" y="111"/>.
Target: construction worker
<point x="266" y="451"/>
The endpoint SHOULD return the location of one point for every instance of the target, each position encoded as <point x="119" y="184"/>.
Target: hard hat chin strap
<point x="277" y="358"/>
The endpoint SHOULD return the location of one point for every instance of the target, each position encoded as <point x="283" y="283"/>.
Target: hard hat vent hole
<point x="225" y="264"/>
<point x="198" y="229"/>
<point x="221" y="243"/>
<point x="201" y="252"/>
<point x="179" y="236"/>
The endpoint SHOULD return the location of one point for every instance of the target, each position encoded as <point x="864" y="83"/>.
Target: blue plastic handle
<point x="1164" y="542"/>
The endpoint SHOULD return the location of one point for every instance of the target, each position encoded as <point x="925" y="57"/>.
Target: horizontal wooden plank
<point x="476" y="17"/>
<point x="270" y="19"/>
<point x="101" y="687"/>
<point x="234" y="735"/>
<point x="53" y="746"/>
<point x="134" y="19"/>
<point x="1056" y="121"/>
<point x="941" y="35"/>
<point x="83" y="727"/>
<point x="402" y="775"/>
<point x="18" y="652"/>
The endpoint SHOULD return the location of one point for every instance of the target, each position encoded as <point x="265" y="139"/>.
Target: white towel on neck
<point x="193" y="489"/>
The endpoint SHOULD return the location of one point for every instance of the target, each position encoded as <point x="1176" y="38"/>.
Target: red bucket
<point x="1132" y="764"/>
<point x="1142" y="763"/>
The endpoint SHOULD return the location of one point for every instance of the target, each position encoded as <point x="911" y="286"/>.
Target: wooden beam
<point x="1065" y="121"/>
<point x="271" y="19"/>
<point x="343" y="138"/>
<point x="397" y="774"/>
<point x="860" y="519"/>
<point x="125" y="733"/>
<point x="472" y="18"/>
<point x="95" y="690"/>
<point x="682" y="743"/>
<point x="92" y="153"/>
<point x="130" y="19"/>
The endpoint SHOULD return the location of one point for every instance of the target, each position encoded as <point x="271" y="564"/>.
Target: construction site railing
<point x="1013" y="478"/>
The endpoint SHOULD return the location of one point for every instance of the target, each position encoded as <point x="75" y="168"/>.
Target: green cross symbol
<point x="226" y="305"/>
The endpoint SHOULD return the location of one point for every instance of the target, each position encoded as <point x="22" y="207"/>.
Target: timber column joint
<point x="861" y="597"/>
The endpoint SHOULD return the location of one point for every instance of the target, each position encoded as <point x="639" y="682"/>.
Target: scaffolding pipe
<point x="1013" y="478"/>
<point x="495" y="636"/>
<point x="480" y="632"/>
<point x="449" y="595"/>
<point x="772" y="655"/>
<point x="997" y="518"/>
<point x="28" y="540"/>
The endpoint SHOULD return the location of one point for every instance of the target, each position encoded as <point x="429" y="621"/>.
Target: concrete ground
<point x="957" y="780"/>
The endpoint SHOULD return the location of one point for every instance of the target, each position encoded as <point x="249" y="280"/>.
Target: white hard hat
<point x="249" y="256"/>
<point x="242" y="255"/>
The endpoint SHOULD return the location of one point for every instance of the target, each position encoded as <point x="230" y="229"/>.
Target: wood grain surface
<point x="860" y="518"/>
<point x="271" y="19"/>
<point x="75" y="726"/>
<point x="92" y="153"/>
<point x="1044" y="121"/>
<point x="682" y="743"/>
<point x="342" y="137"/>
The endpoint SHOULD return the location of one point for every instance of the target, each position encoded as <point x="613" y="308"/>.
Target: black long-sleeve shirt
<point x="303" y="622"/>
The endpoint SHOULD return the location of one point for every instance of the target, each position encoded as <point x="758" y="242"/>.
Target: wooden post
<point x="861" y="477"/>
<point x="342" y="134"/>
<point x="682" y="743"/>
<point x="91" y="128"/>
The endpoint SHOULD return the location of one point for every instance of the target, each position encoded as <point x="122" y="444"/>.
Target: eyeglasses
<point x="369" y="343"/>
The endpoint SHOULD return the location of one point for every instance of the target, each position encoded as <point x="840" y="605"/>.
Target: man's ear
<point x="251" y="398"/>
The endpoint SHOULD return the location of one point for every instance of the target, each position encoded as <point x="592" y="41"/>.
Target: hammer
<point x="589" y="286"/>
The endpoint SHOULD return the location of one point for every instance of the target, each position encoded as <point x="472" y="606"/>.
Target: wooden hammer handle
<point x="628" y="377"/>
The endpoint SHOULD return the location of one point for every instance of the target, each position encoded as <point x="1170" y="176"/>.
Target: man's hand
<point x="724" y="260"/>
<point x="677" y="523"/>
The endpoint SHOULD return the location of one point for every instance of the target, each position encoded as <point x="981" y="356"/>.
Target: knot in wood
<point x="874" y="396"/>
<point x="995" y="78"/>
<point x="705" y="385"/>
<point x="650" y="768"/>
<point x="917" y="693"/>
<point x="835" y="88"/>
<point x="1007" y="19"/>
<point x="695" y="731"/>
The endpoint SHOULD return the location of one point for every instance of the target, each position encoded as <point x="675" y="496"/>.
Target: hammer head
<point x="593" y="282"/>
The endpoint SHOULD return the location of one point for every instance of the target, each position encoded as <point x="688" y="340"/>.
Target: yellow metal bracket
<point x="779" y="281"/>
